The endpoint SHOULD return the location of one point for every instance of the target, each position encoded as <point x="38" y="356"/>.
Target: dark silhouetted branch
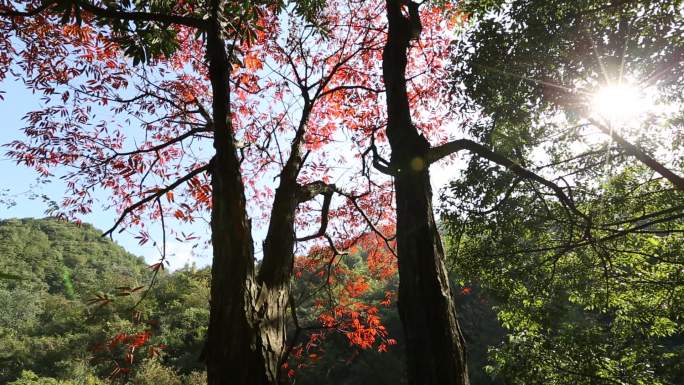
<point x="439" y="152"/>
<point x="638" y="153"/>
<point x="155" y="195"/>
<point x="112" y="13"/>
<point x="327" y="198"/>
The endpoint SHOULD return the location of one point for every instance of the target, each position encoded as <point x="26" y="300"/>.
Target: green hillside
<point x="52" y="334"/>
<point x="45" y="325"/>
<point x="48" y="328"/>
<point x="64" y="258"/>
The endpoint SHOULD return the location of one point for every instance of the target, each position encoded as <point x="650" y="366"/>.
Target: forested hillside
<point x="45" y="325"/>
<point x="50" y="329"/>
<point x="53" y="333"/>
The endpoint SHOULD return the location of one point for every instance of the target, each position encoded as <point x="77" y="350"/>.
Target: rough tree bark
<point x="246" y="335"/>
<point x="247" y="328"/>
<point x="233" y="351"/>
<point x="434" y="341"/>
<point x="276" y="269"/>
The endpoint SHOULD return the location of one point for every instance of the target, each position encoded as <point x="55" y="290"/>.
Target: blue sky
<point x="19" y="183"/>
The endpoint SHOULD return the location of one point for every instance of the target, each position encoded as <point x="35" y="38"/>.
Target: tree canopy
<point x="591" y="293"/>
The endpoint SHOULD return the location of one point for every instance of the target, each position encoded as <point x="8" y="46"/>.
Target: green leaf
<point x="10" y="276"/>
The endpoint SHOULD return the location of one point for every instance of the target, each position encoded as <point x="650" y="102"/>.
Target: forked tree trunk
<point x="275" y="273"/>
<point x="434" y="342"/>
<point x="246" y="337"/>
<point x="244" y="345"/>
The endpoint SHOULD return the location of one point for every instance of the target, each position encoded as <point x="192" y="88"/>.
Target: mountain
<point x="45" y="323"/>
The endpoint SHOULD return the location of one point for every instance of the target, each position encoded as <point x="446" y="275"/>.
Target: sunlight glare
<point x="619" y="103"/>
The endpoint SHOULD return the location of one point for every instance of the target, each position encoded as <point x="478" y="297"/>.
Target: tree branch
<point x="351" y="87"/>
<point x="111" y="13"/>
<point x="439" y="152"/>
<point x="155" y="195"/>
<point x="368" y="221"/>
<point x="309" y="191"/>
<point x="27" y="13"/>
<point x="638" y="153"/>
<point x="379" y="163"/>
<point x="141" y="16"/>
<point x="160" y="146"/>
<point x="327" y="198"/>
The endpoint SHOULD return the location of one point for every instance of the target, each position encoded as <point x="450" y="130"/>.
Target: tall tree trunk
<point x="275" y="273"/>
<point x="434" y="342"/>
<point x="241" y="348"/>
<point x="246" y="338"/>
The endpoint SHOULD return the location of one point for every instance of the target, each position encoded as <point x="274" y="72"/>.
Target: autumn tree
<point x="195" y="55"/>
<point x="434" y="342"/>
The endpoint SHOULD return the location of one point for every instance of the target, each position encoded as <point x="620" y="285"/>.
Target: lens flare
<point x="620" y="103"/>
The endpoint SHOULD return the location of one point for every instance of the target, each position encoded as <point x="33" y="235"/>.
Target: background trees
<point x="52" y="331"/>
<point x="586" y="300"/>
<point x="47" y="325"/>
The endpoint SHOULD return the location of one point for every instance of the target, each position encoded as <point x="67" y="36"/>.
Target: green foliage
<point x="30" y="378"/>
<point x="10" y="276"/>
<point x="48" y="327"/>
<point x="585" y="300"/>
<point x="151" y="372"/>
<point x="45" y="325"/>
<point x="580" y="310"/>
<point x="47" y="330"/>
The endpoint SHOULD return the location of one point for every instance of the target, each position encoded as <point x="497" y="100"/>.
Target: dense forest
<point x="51" y="329"/>
<point x="53" y="332"/>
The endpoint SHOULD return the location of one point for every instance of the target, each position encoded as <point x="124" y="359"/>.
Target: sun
<point x="620" y="103"/>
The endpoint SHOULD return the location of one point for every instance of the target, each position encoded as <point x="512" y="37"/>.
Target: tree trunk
<point x="246" y="338"/>
<point x="241" y="348"/>
<point x="434" y="342"/>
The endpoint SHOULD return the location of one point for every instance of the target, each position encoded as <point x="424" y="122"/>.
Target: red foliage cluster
<point x="342" y="298"/>
<point x="122" y="349"/>
<point x="134" y="131"/>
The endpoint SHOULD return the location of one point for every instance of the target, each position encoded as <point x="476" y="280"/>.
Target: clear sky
<point x="19" y="183"/>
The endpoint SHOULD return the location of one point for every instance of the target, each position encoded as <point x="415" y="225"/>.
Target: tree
<point x="420" y="254"/>
<point x="593" y="298"/>
<point x="51" y="331"/>
<point x="434" y="341"/>
<point x="577" y="65"/>
<point x="79" y="62"/>
<point x="235" y="287"/>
